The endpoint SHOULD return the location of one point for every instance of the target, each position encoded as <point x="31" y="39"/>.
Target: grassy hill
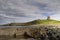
<point x="34" y="23"/>
<point x="45" y="22"/>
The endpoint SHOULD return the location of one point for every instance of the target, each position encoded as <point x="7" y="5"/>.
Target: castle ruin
<point x="48" y="18"/>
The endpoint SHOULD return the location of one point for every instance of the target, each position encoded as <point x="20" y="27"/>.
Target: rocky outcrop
<point x="11" y="32"/>
<point x="20" y="31"/>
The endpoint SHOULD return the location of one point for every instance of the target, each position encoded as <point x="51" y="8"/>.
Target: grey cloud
<point x="4" y="20"/>
<point x="7" y="9"/>
<point x="39" y="5"/>
<point x="15" y="9"/>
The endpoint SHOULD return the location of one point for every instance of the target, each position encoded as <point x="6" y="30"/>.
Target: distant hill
<point x="35" y="22"/>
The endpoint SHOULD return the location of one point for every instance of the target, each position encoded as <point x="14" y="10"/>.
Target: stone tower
<point x="48" y="18"/>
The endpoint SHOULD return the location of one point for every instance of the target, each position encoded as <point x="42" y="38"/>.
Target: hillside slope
<point x="34" y="23"/>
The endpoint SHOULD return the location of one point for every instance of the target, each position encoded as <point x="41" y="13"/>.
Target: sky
<point x="28" y="10"/>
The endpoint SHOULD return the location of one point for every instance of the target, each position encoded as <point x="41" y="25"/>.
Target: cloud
<point x="27" y="10"/>
<point x="56" y="16"/>
<point x="4" y="20"/>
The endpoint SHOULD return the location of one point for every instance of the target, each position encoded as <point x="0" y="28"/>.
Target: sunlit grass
<point x="46" y="22"/>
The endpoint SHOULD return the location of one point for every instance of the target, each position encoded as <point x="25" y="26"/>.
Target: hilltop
<point x="34" y="22"/>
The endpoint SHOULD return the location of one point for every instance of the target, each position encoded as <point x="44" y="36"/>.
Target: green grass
<point x="45" y="22"/>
